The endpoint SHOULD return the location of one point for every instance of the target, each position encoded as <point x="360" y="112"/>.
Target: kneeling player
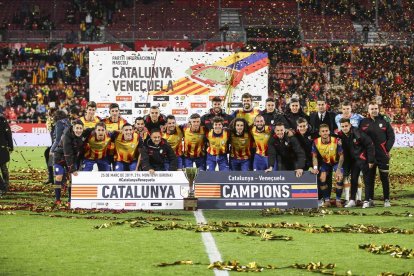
<point x="96" y="146"/>
<point x="330" y="152"/>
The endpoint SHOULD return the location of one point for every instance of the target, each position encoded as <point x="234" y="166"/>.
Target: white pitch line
<point x="210" y="245"/>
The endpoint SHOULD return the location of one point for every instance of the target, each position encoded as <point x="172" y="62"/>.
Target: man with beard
<point x="359" y="156"/>
<point x="89" y="120"/>
<point x="157" y="153"/>
<point x="327" y="149"/>
<point x="305" y="140"/>
<point x="261" y="134"/>
<point x="155" y="119"/>
<point x="174" y="137"/>
<point x="293" y="113"/>
<point x="270" y="113"/>
<point x="355" y="119"/>
<point x="382" y="134"/>
<point x="96" y="146"/>
<point x="286" y="151"/>
<point x="114" y="121"/>
<point x="128" y="146"/>
<point x="247" y="112"/>
<point x="322" y="116"/>
<point x="194" y="146"/>
<point x="66" y="156"/>
<point x="240" y="145"/>
<point x="215" y="111"/>
<point x="217" y="146"/>
<point x="139" y="127"/>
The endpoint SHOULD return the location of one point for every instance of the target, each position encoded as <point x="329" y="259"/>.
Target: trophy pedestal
<point x="190" y="204"/>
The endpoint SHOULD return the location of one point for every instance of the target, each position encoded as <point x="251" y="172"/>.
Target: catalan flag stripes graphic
<point x="304" y="191"/>
<point x="84" y="192"/>
<point x="207" y="191"/>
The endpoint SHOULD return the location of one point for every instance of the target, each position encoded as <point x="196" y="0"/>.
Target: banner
<point x="98" y="46"/>
<point x="219" y="46"/>
<point x="129" y="190"/>
<point x="30" y="135"/>
<point x="180" y="83"/>
<point x="163" y="45"/>
<point x="255" y="190"/>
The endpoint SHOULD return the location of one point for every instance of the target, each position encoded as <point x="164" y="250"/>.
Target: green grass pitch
<point x="36" y="239"/>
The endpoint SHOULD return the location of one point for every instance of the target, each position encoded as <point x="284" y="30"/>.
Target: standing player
<point x="96" y="146"/>
<point x="270" y="113"/>
<point x="286" y="151"/>
<point x="67" y="155"/>
<point x="194" y="146"/>
<point x="261" y="134"/>
<point x="114" y="121"/>
<point x="359" y="157"/>
<point x="127" y="148"/>
<point x="248" y="112"/>
<point x="355" y="120"/>
<point x="215" y="111"/>
<point x="305" y="140"/>
<point x="217" y="146"/>
<point x="380" y="130"/>
<point x="174" y="137"/>
<point x="240" y="145"/>
<point x="327" y="149"/>
<point x="293" y="113"/>
<point x="155" y="119"/>
<point x="89" y="120"/>
<point x="139" y="127"/>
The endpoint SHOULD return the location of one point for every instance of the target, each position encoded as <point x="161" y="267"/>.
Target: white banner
<point x="404" y="140"/>
<point x="129" y="190"/>
<point x="180" y="83"/>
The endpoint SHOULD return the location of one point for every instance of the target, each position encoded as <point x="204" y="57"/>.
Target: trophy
<point x="190" y="202"/>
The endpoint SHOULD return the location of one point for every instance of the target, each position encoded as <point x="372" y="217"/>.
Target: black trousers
<point x="4" y="177"/>
<point x="384" y="176"/>
<point x="49" y="165"/>
<point x="358" y="166"/>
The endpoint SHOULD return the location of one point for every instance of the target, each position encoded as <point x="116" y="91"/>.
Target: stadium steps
<point x="4" y="81"/>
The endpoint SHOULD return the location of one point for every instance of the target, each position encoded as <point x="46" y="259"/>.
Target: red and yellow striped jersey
<point x="90" y="124"/>
<point x="248" y="116"/>
<point x="241" y="146"/>
<point x="175" y="140"/>
<point x="95" y="149"/>
<point x="329" y="152"/>
<point x="144" y="135"/>
<point x="194" y="142"/>
<point x="126" y="151"/>
<point x="217" y="144"/>
<point x="261" y="139"/>
<point x="112" y="126"/>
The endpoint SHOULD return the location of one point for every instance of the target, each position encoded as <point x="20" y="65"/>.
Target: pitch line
<point x="210" y="245"/>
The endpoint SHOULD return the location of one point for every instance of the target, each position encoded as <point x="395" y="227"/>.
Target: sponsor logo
<point x="123" y="98"/>
<point x="198" y="105"/>
<point x="39" y="130"/>
<point x="103" y="105"/>
<point x="156" y="204"/>
<point x="236" y="105"/>
<point x="161" y="98"/>
<point x="129" y="204"/>
<point x="142" y="105"/>
<point x="211" y="97"/>
<point x="180" y="119"/>
<point x="125" y="112"/>
<point x="256" y="98"/>
<point x="179" y="111"/>
<point x="15" y="128"/>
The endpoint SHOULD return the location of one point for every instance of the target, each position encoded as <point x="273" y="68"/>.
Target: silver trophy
<point x="190" y="202"/>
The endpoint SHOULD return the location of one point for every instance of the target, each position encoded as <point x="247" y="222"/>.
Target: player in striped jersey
<point x="139" y="127"/>
<point x="127" y="148"/>
<point x="194" y="143"/>
<point x="261" y="134"/>
<point x="328" y="158"/>
<point x="217" y="146"/>
<point x="240" y="145"/>
<point x="89" y="120"/>
<point x="96" y="146"/>
<point x="248" y="112"/>
<point x="114" y="121"/>
<point x="174" y="136"/>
